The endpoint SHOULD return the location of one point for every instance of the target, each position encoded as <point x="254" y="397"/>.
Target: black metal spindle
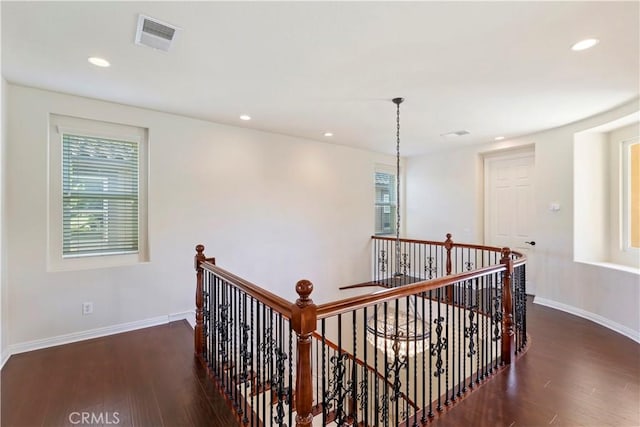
<point x="431" y="346"/>
<point x="364" y="404"/>
<point x="423" y="419"/>
<point x="324" y="373"/>
<point x="354" y="371"/>
<point x="446" y="369"/>
<point x="477" y="329"/>
<point x="290" y="391"/>
<point x="234" y="337"/>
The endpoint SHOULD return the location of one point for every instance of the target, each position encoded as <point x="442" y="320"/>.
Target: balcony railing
<point x="354" y="361"/>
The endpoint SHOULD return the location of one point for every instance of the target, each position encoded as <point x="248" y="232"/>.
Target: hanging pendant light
<point x="394" y="331"/>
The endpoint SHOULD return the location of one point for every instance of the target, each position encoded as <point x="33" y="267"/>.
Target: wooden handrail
<point x="442" y="243"/>
<point x="277" y="303"/>
<point x="361" y="301"/>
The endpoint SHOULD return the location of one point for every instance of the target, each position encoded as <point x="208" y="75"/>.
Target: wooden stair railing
<point x="246" y="336"/>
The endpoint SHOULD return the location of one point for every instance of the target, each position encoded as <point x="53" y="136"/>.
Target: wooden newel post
<point x="198" y="330"/>
<point x="304" y="320"/>
<point x="448" y="245"/>
<point x="507" y="307"/>
<point x="198" y="333"/>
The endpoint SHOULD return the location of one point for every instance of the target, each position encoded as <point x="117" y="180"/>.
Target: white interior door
<point x="509" y="206"/>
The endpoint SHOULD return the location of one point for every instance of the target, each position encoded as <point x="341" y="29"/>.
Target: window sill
<point x="613" y="266"/>
<point x="96" y="262"/>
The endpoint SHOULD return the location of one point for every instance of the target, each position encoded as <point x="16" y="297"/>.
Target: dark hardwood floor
<point x="148" y="377"/>
<point x="575" y="373"/>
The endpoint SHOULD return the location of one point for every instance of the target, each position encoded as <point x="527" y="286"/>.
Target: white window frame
<point x="390" y="170"/>
<point x="59" y="125"/>
<point x="625" y="207"/>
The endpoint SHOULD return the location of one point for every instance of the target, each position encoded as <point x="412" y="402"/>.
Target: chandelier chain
<point x="397" y="187"/>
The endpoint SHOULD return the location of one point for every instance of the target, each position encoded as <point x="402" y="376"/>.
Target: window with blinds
<point x="386" y="203"/>
<point x="100" y="196"/>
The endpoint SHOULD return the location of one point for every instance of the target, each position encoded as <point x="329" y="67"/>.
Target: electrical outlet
<point x="87" y="308"/>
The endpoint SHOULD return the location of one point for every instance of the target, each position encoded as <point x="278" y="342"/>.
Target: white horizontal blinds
<point x="100" y="196"/>
<point x="386" y="202"/>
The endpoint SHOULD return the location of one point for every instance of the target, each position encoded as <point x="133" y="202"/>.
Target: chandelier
<point x="394" y="331"/>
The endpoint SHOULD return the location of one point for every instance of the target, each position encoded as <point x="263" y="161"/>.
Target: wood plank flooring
<point x="148" y="377"/>
<point x="575" y="373"/>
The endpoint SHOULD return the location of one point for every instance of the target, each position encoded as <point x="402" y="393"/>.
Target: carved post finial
<point x="199" y="258"/>
<point x="304" y="288"/>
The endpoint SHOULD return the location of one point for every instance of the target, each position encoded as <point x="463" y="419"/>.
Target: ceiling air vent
<point x="155" y="34"/>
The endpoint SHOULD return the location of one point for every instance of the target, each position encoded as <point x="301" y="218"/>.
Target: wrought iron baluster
<point x="290" y="390"/>
<point x="478" y="301"/>
<point x="431" y="414"/>
<point x="325" y="406"/>
<point x="364" y="385"/>
<point x="282" y="393"/>
<point x="382" y="262"/>
<point x="436" y="350"/>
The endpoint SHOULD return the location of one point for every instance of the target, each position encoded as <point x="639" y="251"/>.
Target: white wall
<point x="4" y="312"/>
<point x="271" y="208"/>
<point x="443" y="195"/>
<point x="591" y="214"/>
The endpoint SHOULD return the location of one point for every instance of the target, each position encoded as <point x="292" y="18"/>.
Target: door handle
<point x="532" y="243"/>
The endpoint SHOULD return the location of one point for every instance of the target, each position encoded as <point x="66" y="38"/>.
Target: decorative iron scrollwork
<point x="382" y="261"/>
<point x="267" y="346"/>
<point x="497" y="315"/>
<point x="363" y="394"/>
<point x="405" y="264"/>
<point x="222" y="327"/>
<point x="468" y="265"/>
<point x="282" y="392"/>
<point x="399" y="362"/>
<point x="439" y="346"/>
<point x="430" y="267"/>
<point x="471" y="331"/>
<point x="245" y="353"/>
<point x="339" y="388"/>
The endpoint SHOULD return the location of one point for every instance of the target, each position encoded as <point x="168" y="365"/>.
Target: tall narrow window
<point x="386" y="203"/>
<point x="100" y="196"/>
<point x="631" y="198"/>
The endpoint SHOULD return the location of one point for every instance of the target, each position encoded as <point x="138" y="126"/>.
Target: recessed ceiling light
<point x="245" y="117"/>
<point x="455" y="133"/>
<point x="499" y="138"/>
<point x="99" y="62"/>
<point x="585" y="44"/>
<point x="327" y="134"/>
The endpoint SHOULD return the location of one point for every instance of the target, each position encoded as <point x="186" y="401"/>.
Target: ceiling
<point x="305" y="68"/>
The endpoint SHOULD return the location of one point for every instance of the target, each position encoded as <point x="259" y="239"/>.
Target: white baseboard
<point x="4" y="357"/>
<point x="189" y="316"/>
<point x="95" y="333"/>
<point x="607" y="323"/>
